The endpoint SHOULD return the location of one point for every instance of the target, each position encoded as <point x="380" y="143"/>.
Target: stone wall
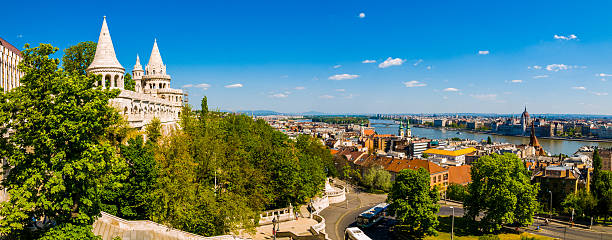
<point x="283" y="214"/>
<point x="109" y="227"/>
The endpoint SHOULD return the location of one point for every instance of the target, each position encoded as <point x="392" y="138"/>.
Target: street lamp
<point x="550" y="210"/>
<point x="452" y="223"/>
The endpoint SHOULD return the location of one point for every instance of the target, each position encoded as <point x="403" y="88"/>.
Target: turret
<point x="155" y="76"/>
<point x="105" y="61"/>
<point x="137" y="74"/>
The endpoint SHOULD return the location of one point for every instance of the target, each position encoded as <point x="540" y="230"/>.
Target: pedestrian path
<point x="300" y="227"/>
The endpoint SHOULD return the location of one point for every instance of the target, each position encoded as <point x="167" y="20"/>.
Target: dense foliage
<point x="582" y="203"/>
<point x="59" y="159"/>
<point x="501" y="189"/>
<point x="128" y="82"/>
<point x="78" y="57"/>
<point x="340" y="120"/>
<point x="601" y="187"/>
<point x="456" y="192"/>
<point x="216" y="174"/>
<point x="415" y="203"/>
<point x="377" y="178"/>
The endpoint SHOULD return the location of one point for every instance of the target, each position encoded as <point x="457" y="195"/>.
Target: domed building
<point x="525" y="120"/>
<point x="152" y="97"/>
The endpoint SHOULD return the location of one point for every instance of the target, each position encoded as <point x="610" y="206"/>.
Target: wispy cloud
<point x="450" y="89"/>
<point x="417" y="62"/>
<point x="284" y="76"/>
<point x="204" y="86"/>
<point x="536" y="67"/>
<point x="237" y="85"/>
<point x="483" y="52"/>
<point x="326" y="96"/>
<point x="343" y="76"/>
<point x="19" y="35"/>
<point x="428" y="67"/>
<point x="299" y="88"/>
<point x="557" y="67"/>
<point x="604" y="75"/>
<point x="361" y="15"/>
<point x="337" y="66"/>
<point x="569" y="37"/>
<point x="391" y="62"/>
<point x="485" y="97"/>
<point x="340" y="90"/>
<point x="414" y="84"/>
<point x="540" y="76"/>
<point x="579" y="88"/>
<point x="600" y="93"/>
<point x="279" y="95"/>
<point x="516" y="81"/>
<point x="368" y="61"/>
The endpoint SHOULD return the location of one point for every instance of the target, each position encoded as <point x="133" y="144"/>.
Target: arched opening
<point x="125" y="111"/>
<point x="107" y="80"/>
<point x="115" y="81"/>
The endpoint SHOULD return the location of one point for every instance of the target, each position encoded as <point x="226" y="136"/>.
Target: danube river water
<point x="551" y="146"/>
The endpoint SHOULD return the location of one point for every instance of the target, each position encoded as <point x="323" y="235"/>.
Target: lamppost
<point x="550" y="210"/>
<point x="452" y="223"/>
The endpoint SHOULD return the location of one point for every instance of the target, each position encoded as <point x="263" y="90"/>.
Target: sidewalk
<point x="299" y="227"/>
<point x="595" y="228"/>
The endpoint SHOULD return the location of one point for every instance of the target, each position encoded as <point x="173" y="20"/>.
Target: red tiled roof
<point x="9" y="46"/>
<point x="369" y="132"/>
<point x="400" y="164"/>
<point x="460" y="174"/>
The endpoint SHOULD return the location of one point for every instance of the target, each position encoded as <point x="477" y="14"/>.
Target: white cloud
<point x="483" y="52"/>
<point x="540" y="76"/>
<point x="428" y="67"/>
<point x="391" y="62"/>
<point x="557" y="67"/>
<point x="361" y="15"/>
<point x="414" y="84"/>
<point x="187" y="85"/>
<point x="20" y="36"/>
<point x="337" y="66"/>
<point x="237" y="85"/>
<point x="204" y="86"/>
<point x="569" y="37"/>
<point x="284" y="76"/>
<point x="444" y="97"/>
<point x="536" y="67"/>
<point x="326" y="96"/>
<point x="279" y="95"/>
<point x="418" y="62"/>
<point x="450" y="89"/>
<point x="368" y="61"/>
<point x="516" y="81"/>
<point x="604" y="75"/>
<point x="299" y="88"/>
<point x="579" y="88"/>
<point x="600" y="93"/>
<point x="340" y="90"/>
<point x="343" y="76"/>
<point x="485" y="97"/>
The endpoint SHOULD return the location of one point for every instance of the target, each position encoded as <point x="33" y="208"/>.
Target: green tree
<point x="56" y="150"/>
<point x="377" y="178"/>
<point x="415" y="203"/>
<point x="204" y="106"/>
<point x="128" y="82"/>
<point x="501" y="189"/>
<point x="602" y="190"/>
<point x="131" y="201"/>
<point x="153" y="129"/>
<point x="457" y="192"/>
<point x="78" y="57"/>
<point x="583" y="203"/>
<point x="425" y="155"/>
<point x="489" y="140"/>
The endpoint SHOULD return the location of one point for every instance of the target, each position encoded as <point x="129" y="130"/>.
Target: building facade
<point x="10" y="57"/>
<point x="152" y="98"/>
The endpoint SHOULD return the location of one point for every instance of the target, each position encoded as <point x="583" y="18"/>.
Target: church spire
<point x="105" y="52"/>
<point x="137" y="66"/>
<point x="155" y="59"/>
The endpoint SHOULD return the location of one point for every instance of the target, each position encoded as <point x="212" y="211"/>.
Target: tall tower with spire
<point x="525" y="119"/>
<point x="105" y="61"/>
<point x="155" y="76"/>
<point x="137" y="74"/>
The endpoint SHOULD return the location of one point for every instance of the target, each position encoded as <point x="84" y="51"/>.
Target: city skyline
<point x="366" y="58"/>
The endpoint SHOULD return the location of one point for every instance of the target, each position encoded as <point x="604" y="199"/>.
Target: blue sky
<point x="296" y="56"/>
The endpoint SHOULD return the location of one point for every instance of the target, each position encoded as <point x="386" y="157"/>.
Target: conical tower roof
<point x="137" y="66"/>
<point x="105" y="52"/>
<point x="155" y="59"/>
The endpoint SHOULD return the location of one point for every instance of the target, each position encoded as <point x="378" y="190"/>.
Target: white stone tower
<point x="105" y="61"/>
<point x="156" y="76"/>
<point x="137" y="74"/>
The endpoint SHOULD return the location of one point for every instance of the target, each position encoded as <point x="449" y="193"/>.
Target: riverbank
<point x="498" y="134"/>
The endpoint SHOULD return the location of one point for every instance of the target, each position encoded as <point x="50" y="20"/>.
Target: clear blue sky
<point x="283" y="53"/>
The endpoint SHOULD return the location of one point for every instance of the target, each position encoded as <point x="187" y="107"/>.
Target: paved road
<point x="561" y="231"/>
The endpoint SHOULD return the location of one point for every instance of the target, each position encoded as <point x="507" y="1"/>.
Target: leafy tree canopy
<point x="78" y="57"/>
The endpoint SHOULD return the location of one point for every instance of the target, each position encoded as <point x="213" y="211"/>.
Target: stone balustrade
<point x="283" y="214"/>
<point x="109" y="227"/>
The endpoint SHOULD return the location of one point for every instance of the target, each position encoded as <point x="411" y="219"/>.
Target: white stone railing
<point x="282" y="215"/>
<point x="337" y="195"/>
<point x="319" y="204"/>
<point x="109" y="227"/>
<point x="318" y="228"/>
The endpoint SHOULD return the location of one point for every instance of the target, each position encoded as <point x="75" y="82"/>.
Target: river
<point x="551" y="146"/>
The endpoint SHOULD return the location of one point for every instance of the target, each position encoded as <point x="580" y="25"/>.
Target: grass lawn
<point x="461" y="232"/>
